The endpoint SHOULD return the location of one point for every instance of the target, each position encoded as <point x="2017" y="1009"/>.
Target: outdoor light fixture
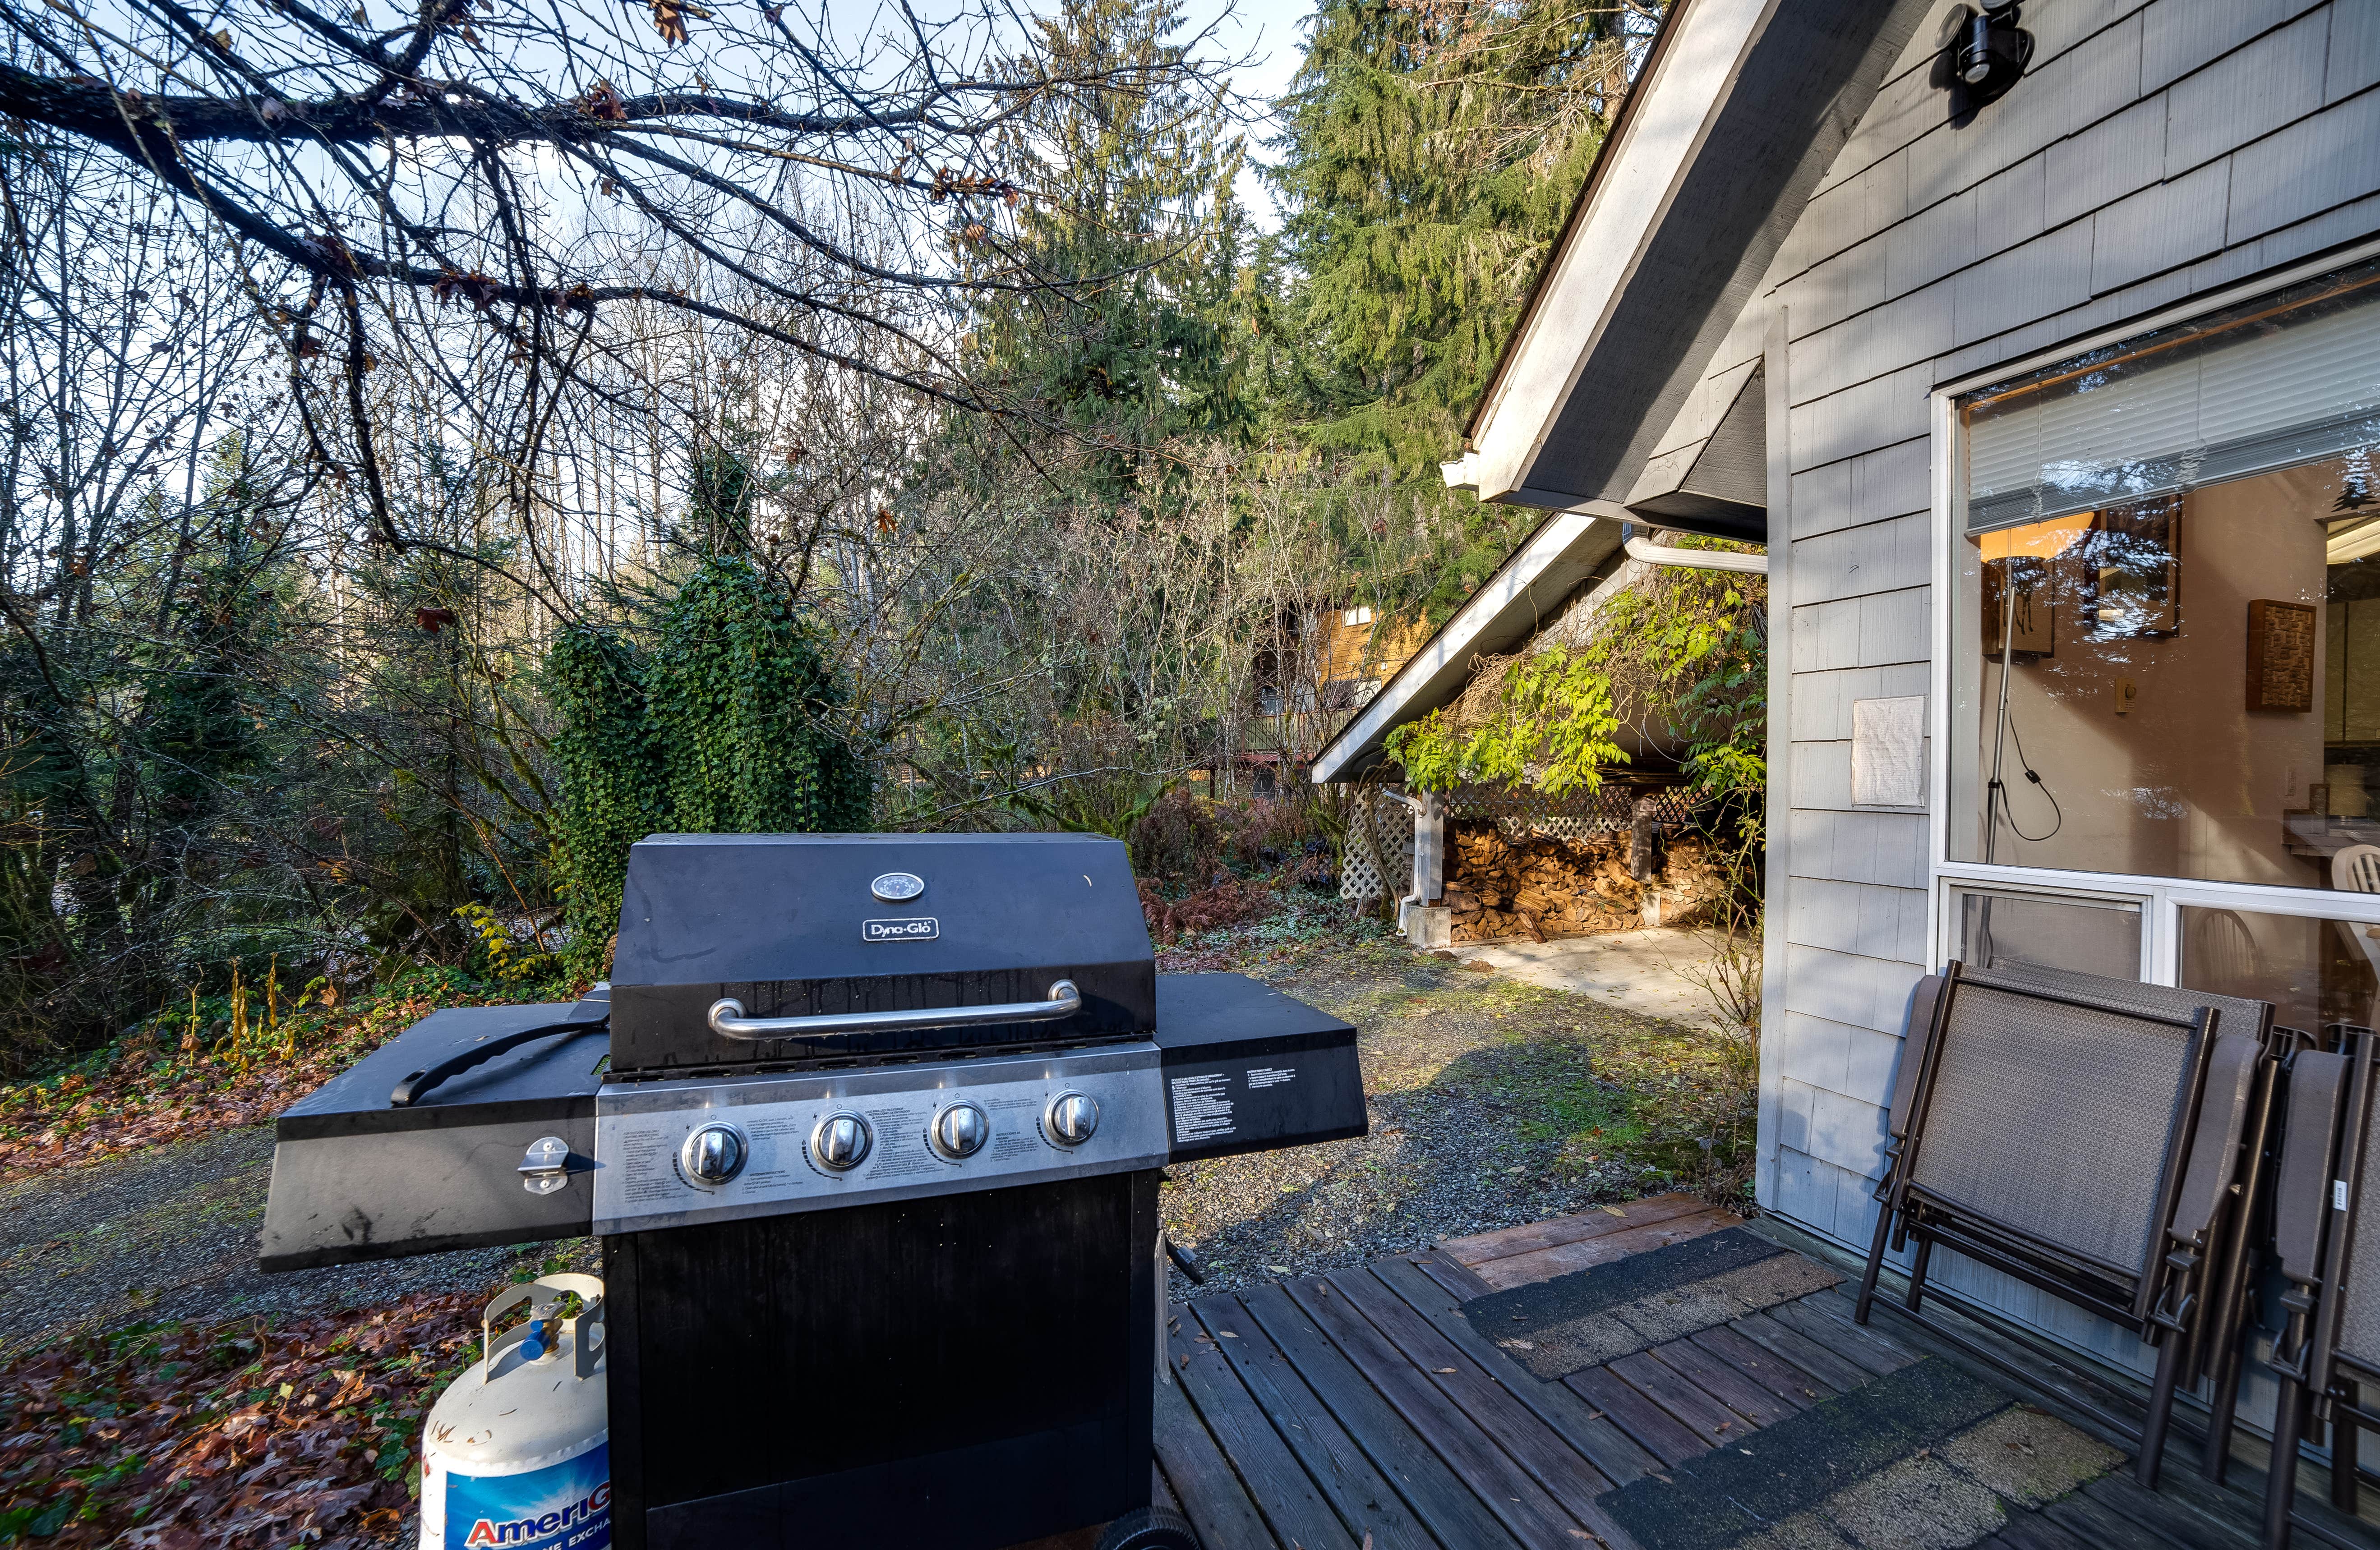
<point x="1984" y="52"/>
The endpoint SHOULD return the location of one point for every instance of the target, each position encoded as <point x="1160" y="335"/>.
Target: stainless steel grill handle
<point x="727" y="1017"/>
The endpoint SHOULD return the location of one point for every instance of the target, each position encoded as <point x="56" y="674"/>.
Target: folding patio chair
<point x="2099" y="1139"/>
<point x="2326" y="1233"/>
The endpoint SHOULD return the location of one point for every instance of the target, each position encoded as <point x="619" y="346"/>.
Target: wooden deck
<point x="1540" y="1251"/>
<point x="1363" y="1409"/>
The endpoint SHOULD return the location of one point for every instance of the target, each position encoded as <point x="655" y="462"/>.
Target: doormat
<point x="1592" y="1317"/>
<point x="1925" y="1458"/>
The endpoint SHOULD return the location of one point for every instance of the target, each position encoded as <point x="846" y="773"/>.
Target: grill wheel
<point x="1152" y="1528"/>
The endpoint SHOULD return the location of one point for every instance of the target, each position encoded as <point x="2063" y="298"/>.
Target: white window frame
<point x="2161" y="900"/>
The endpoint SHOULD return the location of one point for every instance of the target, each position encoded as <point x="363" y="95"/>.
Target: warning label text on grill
<point x="1201" y="1111"/>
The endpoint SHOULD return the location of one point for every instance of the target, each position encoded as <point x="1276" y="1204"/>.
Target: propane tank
<point x="516" y="1452"/>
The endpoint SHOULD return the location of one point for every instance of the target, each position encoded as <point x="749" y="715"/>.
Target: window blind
<point x="2264" y="391"/>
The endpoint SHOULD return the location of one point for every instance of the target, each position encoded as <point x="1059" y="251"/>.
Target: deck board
<point x="1365" y="1499"/>
<point x="1519" y="1502"/>
<point x="1364" y="1408"/>
<point x="1791" y="1345"/>
<point x="2031" y="1531"/>
<point x="1599" y="1221"/>
<point x="1799" y="1389"/>
<point x="1427" y="1480"/>
<point x="1562" y="1259"/>
<point x="1452" y="1273"/>
<point x="1722" y="1381"/>
<point x="1700" y="1414"/>
<point x="1667" y="1438"/>
<point x="1291" y="1504"/>
<point x="1212" y="1496"/>
<point x="1566" y="1475"/>
<point x="1605" y="1445"/>
<point x="1861" y="1346"/>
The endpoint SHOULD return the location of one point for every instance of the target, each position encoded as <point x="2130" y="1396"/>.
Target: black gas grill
<point x="874" y="1164"/>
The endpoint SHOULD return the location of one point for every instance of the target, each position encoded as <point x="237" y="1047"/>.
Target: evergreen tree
<point x="1430" y="156"/>
<point x="1133" y="183"/>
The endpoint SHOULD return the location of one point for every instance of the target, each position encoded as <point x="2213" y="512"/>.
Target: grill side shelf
<point x="1250" y="1069"/>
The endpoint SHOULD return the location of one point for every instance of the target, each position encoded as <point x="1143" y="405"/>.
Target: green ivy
<point x="614" y="784"/>
<point x="1686" y="648"/>
<point x="722" y="726"/>
<point x="1552" y="726"/>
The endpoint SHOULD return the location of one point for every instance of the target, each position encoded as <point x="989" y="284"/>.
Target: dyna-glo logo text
<point x="529" y="1530"/>
<point x="921" y="928"/>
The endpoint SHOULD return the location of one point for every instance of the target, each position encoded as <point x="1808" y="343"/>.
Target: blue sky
<point x="1271" y="31"/>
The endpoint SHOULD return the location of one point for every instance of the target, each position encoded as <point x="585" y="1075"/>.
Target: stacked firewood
<point x="1541" y="886"/>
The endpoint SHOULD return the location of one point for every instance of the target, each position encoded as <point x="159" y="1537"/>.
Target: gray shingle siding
<point x="2152" y="153"/>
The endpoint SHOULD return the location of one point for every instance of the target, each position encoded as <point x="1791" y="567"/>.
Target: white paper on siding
<point x="1888" y="752"/>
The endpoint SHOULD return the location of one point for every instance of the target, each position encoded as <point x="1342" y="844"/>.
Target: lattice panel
<point x="1378" y="860"/>
<point x="1518" y="813"/>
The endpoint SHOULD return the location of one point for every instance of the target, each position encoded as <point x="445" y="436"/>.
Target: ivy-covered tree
<point x="723" y="723"/>
<point x="615" y="787"/>
<point x="739" y="698"/>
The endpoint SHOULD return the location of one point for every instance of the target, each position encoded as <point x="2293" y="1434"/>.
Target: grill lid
<point x="856" y="930"/>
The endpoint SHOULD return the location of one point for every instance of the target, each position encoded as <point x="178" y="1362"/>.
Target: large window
<point x="2166" y="616"/>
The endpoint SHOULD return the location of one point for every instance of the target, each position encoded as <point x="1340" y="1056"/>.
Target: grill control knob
<point x="960" y="1131"/>
<point x="713" y="1154"/>
<point x="1071" y="1118"/>
<point x="841" y="1141"/>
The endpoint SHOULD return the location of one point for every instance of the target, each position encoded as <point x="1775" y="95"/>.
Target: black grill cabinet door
<point x="966" y="1371"/>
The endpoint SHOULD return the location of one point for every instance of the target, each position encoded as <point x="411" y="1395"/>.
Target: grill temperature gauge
<point x="1071" y="1118"/>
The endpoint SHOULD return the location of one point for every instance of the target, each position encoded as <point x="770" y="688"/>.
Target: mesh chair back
<point x="2234" y="1014"/>
<point x="2309" y="1137"/>
<point x="2359" y="1308"/>
<point x="2214" y="1145"/>
<point x="2056" y="1120"/>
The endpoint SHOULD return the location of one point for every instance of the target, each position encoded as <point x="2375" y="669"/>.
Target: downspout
<point x="1696" y="558"/>
<point x="1429" y="831"/>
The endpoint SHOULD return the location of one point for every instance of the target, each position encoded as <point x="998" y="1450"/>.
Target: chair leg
<point x="1917" y="1275"/>
<point x="2228" y="1361"/>
<point x="2153" y="1429"/>
<point x="2281" y="1481"/>
<point x="2343" y="1490"/>
<point x="1875" y="1264"/>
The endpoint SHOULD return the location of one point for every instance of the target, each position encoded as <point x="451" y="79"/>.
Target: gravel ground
<point x="1492" y="1103"/>
<point x="171" y="1233"/>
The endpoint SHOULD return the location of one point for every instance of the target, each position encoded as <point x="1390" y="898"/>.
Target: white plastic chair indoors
<point x="2356" y="869"/>
<point x="2223" y="954"/>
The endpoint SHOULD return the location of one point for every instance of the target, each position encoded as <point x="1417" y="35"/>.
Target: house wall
<point x="1369" y="652"/>
<point x="2153" y="151"/>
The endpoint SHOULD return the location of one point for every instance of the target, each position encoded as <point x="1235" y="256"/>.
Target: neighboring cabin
<point x="2059" y="415"/>
<point x="1317" y="665"/>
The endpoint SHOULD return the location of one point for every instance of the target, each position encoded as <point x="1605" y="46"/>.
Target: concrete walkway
<point x="1638" y="969"/>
